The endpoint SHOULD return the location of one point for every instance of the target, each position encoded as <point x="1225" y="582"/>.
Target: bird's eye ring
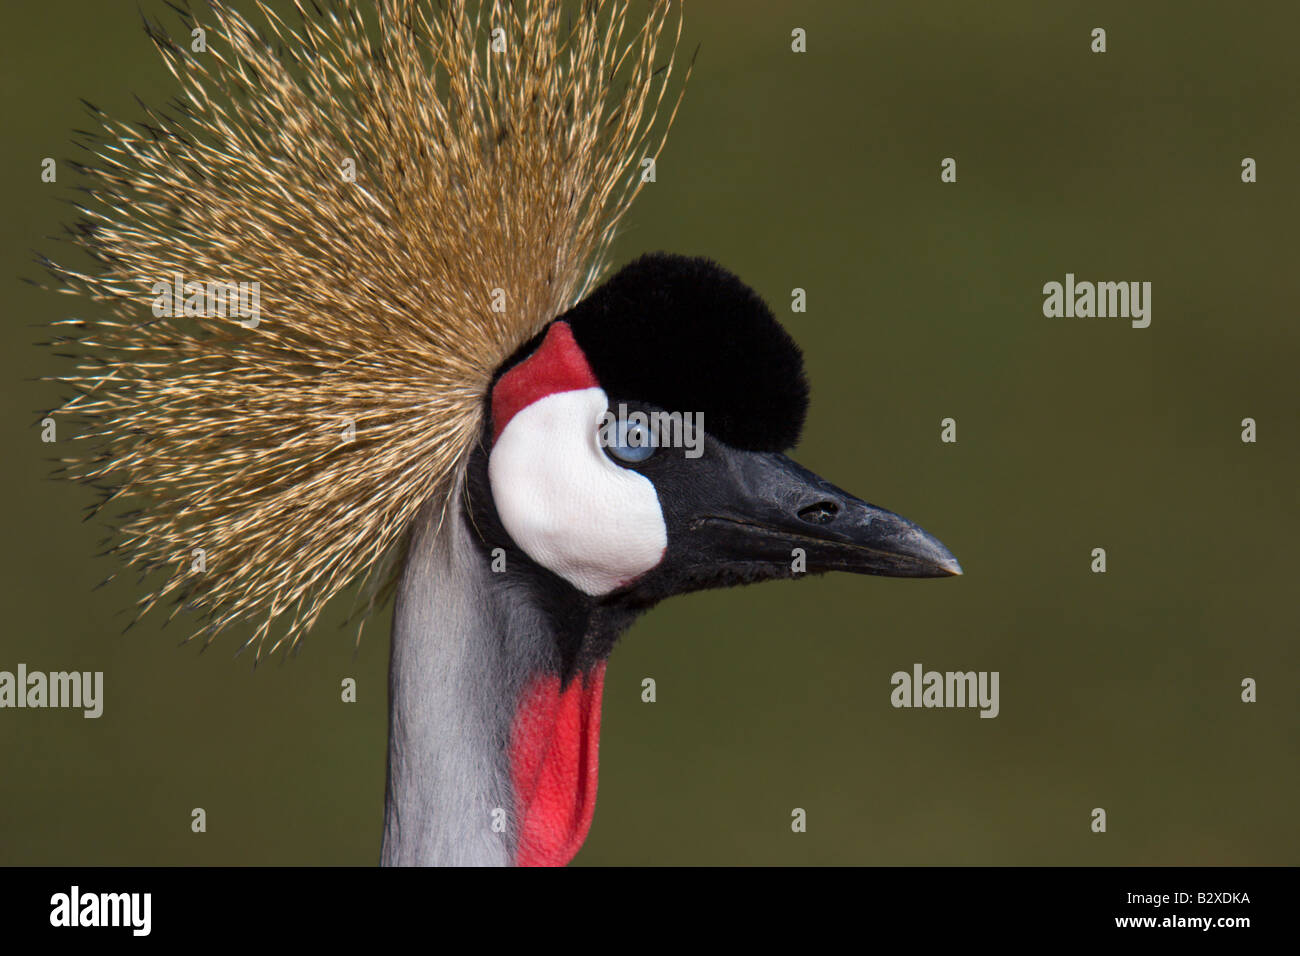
<point x="630" y="443"/>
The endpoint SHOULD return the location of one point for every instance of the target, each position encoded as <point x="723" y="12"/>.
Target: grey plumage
<point x="464" y="642"/>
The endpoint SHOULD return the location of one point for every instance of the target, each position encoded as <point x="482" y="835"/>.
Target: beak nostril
<point x="822" y="512"/>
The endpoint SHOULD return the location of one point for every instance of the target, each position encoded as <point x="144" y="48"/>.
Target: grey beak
<point x="774" y="505"/>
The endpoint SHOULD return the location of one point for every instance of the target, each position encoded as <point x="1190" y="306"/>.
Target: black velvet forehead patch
<point x="687" y="335"/>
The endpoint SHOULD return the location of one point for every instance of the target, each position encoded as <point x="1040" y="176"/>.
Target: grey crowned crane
<point x="433" y="395"/>
<point x="595" y="525"/>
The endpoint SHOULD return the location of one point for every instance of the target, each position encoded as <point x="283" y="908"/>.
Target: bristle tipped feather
<point x="474" y="170"/>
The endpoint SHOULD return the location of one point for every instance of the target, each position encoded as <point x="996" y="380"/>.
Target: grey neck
<point x="462" y="646"/>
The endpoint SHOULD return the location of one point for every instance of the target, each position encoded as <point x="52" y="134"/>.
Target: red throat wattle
<point x="553" y="765"/>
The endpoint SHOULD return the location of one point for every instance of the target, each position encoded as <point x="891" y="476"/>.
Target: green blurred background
<point x="819" y="171"/>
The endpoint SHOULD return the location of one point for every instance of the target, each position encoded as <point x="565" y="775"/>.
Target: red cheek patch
<point x="558" y="365"/>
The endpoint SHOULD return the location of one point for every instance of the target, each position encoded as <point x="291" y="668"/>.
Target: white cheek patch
<point x="569" y="507"/>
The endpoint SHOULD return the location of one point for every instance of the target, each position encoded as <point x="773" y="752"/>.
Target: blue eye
<point x="632" y="443"/>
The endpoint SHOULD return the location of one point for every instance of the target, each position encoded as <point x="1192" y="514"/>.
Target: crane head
<point x="636" y="448"/>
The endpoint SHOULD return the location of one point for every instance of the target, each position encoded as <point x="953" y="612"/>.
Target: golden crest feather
<point x="389" y="180"/>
